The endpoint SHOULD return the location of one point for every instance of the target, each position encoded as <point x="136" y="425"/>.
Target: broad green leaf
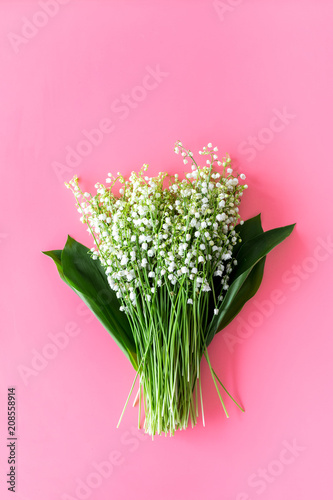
<point x="87" y="278"/>
<point x="251" y="228"/>
<point x="246" y="291"/>
<point x="56" y="256"/>
<point x="256" y="248"/>
<point x="248" y="274"/>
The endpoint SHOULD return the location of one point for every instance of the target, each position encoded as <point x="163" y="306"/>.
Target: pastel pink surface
<point x="254" y="78"/>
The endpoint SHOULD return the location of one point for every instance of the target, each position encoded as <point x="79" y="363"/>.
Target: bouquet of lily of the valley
<point x="172" y="265"/>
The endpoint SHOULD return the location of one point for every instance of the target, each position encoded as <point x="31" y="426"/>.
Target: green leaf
<point x="256" y="248"/>
<point x="250" y="229"/>
<point x="246" y="291"/>
<point x="87" y="278"/>
<point x="247" y="276"/>
<point x="56" y="256"/>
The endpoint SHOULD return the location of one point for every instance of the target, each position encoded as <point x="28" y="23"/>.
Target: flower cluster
<point x="166" y="245"/>
<point x="163" y="231"/>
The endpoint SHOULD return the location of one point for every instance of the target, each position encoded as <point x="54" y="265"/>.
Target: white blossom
<point x="165" y="229"/>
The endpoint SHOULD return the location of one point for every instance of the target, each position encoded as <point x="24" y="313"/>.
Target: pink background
<point x="255" y="78"/>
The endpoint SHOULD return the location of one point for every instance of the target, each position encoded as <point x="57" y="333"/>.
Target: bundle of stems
<point x="171" y="341"/>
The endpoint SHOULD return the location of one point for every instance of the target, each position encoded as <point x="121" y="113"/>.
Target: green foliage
<point x="87" y="278"/>
<point x="247" y="275"/>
